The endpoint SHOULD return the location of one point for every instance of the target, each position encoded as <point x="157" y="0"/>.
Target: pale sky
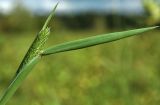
<point x="76" y="6"/>
<point x="6" y="6"/>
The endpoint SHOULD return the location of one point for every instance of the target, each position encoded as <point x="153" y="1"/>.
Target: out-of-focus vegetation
<point x="125" y="72"/>
<point x="153" y="10"/>
<point x="31" y="22"/>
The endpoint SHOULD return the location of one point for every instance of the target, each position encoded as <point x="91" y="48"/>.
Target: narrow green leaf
<point x="92" y="41"/>
<point x="50" y="16"/>
<point x="18" y="80"/>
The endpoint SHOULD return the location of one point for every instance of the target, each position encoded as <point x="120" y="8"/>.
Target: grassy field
<point x="126" y="72"/>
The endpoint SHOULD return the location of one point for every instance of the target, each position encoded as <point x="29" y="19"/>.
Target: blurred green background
<point x="125" y="72"/>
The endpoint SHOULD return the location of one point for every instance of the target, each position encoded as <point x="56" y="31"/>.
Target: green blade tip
<point x="50" y="16"/>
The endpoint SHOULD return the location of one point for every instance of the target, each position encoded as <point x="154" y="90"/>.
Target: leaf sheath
<point x="17" y="81"/>
<point x="37" y="45"/>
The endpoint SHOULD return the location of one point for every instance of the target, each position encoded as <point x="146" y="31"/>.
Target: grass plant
<point x="36" y="52"/>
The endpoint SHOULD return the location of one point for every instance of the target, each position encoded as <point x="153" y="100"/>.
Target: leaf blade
<point x="50" y="16"/>
<point x="92" y="41"/>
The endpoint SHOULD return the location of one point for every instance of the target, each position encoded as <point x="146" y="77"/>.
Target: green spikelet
<point x="35" y="48"/>
<point x="38" y="44"/>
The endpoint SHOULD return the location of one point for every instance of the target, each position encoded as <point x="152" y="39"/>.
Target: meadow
<point x="125" y="72"/>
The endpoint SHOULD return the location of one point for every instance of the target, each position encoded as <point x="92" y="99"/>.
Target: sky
<point x="5" y="6"/>
<point x="76" y="6"/>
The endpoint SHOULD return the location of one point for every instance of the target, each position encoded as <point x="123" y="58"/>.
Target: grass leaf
<point x="92" y="41"/>
<point x="16" y="82"/>
<point x="50" y="16"/>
